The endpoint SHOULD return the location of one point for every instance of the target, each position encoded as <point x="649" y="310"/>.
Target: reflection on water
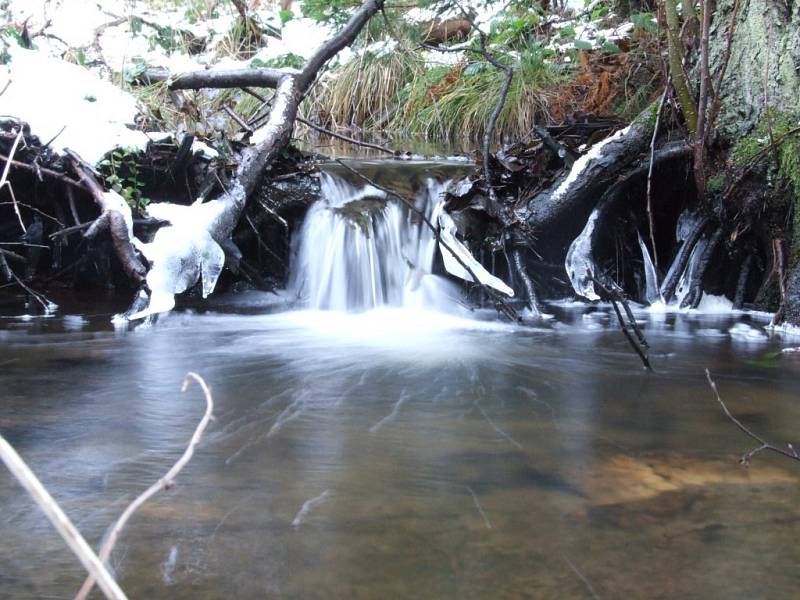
<point x="397" y="454"/>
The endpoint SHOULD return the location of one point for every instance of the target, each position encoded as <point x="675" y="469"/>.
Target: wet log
<point x="576" y="194"/>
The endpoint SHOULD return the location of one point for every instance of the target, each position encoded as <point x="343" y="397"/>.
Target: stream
<point x="404" y="450"/>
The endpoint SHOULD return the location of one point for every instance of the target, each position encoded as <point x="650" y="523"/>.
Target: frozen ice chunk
<point x="453" y="266"/>
<point x="579" y="264"/>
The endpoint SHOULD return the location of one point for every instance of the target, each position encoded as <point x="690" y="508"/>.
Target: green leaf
<point x="611" y="48"/>
<point x="583" y="45"/>
<point x="644" y="21"/>
<point x="286" y="16"/>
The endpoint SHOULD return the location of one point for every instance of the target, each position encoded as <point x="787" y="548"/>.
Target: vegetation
<point x="397" y="83"/>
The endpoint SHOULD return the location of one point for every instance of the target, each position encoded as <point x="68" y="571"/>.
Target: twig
<point x="345" y="138"/>
<point x="582" y="577"/>
<point x="4" y="178"/>
<point x="501" y="305"/>
<point x="164" y="483"/>
<point x="615" y="295"/>
<point x="45" y="171"/>
<point x="764" y="445"/>
<point x="237" y="118"/>
<point x="34" y="209"/>
<point x="650" y="221"/>
<point x="60" y="521"/>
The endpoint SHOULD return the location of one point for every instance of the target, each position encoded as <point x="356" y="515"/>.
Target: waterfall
<point x="358" y="249"/>
<point x="651" y="292"/>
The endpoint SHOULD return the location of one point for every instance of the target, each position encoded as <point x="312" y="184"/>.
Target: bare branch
<point x="650" y="221"/>
<point x="162" y="484"/>
<point x="217" y="78"/>
<point x="345" y="138"/>
<point x="115" y="220"/>
<point x="763" y="444"/>
<point x="615" y="295"/>
<point x="60" y="521"/>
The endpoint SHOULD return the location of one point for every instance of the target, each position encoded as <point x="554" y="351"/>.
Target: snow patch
<point x="51" y="95"/>
<point x="584" y="161"/>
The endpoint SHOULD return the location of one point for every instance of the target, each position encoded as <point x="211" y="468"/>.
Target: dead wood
<point x="439" y="32"/>
<point x="110" y="218"/>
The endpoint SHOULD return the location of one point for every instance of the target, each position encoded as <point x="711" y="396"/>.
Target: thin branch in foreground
<point x="763" y="444"/>
<point x="60" y="521"/>
<point x="164" y="483"/>
<point x="650" y="220"/>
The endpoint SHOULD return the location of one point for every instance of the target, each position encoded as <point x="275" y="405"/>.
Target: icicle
<point x="651" y="294"/>
<point x="453" y="266"/>
<point x="579" y="264"/>
<point x="685" y="282"/>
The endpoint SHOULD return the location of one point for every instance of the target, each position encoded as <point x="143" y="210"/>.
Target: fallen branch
<point x="166" y="482"/>
<point x="112" y="217"/>
<point x="4" y="178"/>
<point x="60" y="521"/>
<point x="763" y="444"/>
<point x="615" y="295"/>
<point x="216" y="78"/>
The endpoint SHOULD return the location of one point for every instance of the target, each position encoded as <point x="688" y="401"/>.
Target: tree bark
<point x="576" y="194"/>
<point x="216" y="78"/>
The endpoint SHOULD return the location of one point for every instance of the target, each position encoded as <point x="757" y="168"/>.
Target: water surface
<point x="403" y="454"/>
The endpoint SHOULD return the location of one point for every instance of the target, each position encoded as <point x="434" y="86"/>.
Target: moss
<point x="715" y="184"/>
<point x="773" y="126"/>
<point x="648" y="117"/>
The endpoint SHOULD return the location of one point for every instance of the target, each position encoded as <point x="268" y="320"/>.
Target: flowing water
<point x="402" y="452"/>
<point x="358" y="250"/>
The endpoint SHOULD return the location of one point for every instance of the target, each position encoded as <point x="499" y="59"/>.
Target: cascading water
<point x="359" y="250"/>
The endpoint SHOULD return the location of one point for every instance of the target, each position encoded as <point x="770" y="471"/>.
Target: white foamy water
<point x="358" y="250"/>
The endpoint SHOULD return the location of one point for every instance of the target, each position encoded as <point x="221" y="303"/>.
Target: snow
<point x="52" y="95"/>
<point x="584" y="162"/>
